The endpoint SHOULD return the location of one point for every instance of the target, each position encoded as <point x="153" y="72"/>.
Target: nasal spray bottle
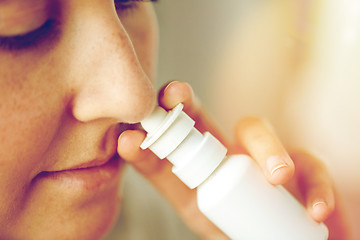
<point x="231" y="190"/>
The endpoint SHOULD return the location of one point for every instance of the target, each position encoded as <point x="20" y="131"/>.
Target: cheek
<point x="29" y="113"/>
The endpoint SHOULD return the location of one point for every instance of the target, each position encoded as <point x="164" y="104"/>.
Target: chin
<point x="60" y="217"/>
<point x="94" y="222"/>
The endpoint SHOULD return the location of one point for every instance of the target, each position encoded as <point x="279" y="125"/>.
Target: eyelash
<point x="125" y="5"/>
<point x="50" y="29"/>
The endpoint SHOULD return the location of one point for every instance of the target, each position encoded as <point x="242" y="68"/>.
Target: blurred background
<point x="294" y="62"/>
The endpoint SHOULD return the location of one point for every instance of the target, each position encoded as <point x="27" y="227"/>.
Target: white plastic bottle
<point x="231" y="190"/>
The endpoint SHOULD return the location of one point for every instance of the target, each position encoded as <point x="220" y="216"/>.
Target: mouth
<point x="93" y="175"/>
<point x="100" y="172"/>
<point x="92" y="164"/>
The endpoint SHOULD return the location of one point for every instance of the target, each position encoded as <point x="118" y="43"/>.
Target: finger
<point x="180" y="92"/>
<point x="315" y="184"/>
<point x="158" y="172"/>
<point x="143" y="161"/>
<point x="260" y="141"/>
<point x="337" y="222"/>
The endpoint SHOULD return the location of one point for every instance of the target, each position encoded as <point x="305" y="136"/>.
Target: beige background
<point x="285" y="60"/>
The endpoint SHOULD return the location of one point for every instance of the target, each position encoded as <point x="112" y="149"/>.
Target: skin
<point x="63" y="101"/>
<point x="65" y="95"/>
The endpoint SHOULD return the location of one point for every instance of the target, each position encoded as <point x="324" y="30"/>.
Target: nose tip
<point x="128" y="103"/>
<point x="139" y="105"/>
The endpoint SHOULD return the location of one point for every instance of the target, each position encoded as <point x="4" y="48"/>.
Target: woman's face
<point x="70" y="71"/>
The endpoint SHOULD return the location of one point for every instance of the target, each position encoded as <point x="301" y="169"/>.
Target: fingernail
<point x="274" y="163"/>
<point x="171" y="83"/>
<point x="319" y="204"/>
<point x="120" y="139"/>
<point x="319" y="208"/>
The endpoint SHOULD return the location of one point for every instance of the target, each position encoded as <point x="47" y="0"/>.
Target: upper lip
<point x="101" y="158"/>
<point x="93" y="163"/>
<point x="97" y="162"/>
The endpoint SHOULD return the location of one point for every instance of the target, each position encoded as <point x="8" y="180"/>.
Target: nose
<point x="109" y="81"/>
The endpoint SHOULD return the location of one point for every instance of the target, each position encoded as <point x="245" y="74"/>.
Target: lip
<point x="91" y="164"/>
<point x="94" y="175"/>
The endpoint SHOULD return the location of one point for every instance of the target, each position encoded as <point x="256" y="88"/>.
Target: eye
<point x="48" y="31"/>
<point x="123" y="6"/>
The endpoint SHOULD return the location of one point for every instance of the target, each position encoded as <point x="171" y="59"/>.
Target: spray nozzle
<point x="172" y="135"/>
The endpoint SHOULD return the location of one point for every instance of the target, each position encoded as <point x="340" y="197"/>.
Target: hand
<point x="311" y="183"/>
<point x="254" y="137"/>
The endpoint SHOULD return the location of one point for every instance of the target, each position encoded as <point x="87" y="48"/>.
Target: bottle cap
<point x="172" y="135"/>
